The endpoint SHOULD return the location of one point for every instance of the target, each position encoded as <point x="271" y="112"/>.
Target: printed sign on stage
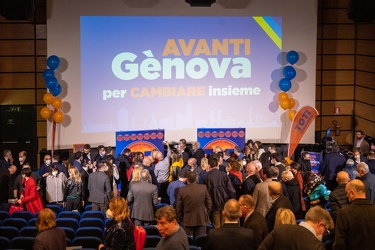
<point x="228" y="138"/>
<point x="140" y="141"/>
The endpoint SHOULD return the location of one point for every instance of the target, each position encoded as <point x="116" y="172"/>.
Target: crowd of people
<point x="247" y="195"/>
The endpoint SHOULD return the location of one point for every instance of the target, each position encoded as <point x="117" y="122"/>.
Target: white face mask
<point x="102" y="153"/>
<point x="48" y="162"/>
<point x="20" y="159"/>
<point x="54" y="174"/>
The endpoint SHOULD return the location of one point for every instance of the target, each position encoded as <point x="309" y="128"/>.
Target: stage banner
<point x="228" y="138"/>
<point x="301" y="122"/>
<point x="142" y="140"/>
<point x="315" y="160"/>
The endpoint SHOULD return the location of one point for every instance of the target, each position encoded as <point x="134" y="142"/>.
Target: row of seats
<point x="63" y="214"/>
<point x="91" y="242"/>
<point x="26" y="243"/>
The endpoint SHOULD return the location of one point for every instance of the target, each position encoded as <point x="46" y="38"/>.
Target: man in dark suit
<point x="6" y="187"/>
<point x="7" y="159"/>
<point x="124" y="163"/>
<point x="307" y="235"/>
<point x="220" y="189"/>
<point x="78" y="161"/>
<point x="368" y="179"/>
<point x="197" y="152"/>
<point x="275" y="190"/>
<point x="251" y="179"/>
<point x="87" y="157"/>
<point x="355" y="228"/>
<point x="144" y="196"/>
<point x="253" y="219"/>
<point x="85" y="180"/>
<point x="371" y="161"/>
<point x="231" y="235"/>
<point x="100" y="188"/>
<point x="193" y="206"/>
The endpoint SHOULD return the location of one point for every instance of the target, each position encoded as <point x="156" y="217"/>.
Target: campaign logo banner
<point x="140" y="141"/>
<point x="226" y="138"/>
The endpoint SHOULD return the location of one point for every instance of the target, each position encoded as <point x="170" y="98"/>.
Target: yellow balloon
<point x="291" y="114"/>
<point x="56" y="103"/>
<point x="283" y="96"/>
<point x="58" y="116"/>
<point x="45" y="112"/>
<point x="284" y="104"/>
<point x="292" y="103"/>
<point x="47" y="98"/>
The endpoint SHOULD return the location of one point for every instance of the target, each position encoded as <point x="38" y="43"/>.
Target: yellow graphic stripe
<point x="269" y="31"/>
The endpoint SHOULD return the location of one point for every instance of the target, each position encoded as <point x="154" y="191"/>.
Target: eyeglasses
<point x="326" y="230"/>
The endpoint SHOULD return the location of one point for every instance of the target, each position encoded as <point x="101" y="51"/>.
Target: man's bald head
<point x="250" y="168"/>
<point x="232" y="211"/>
<point x="355" y="189"/>
<point x="146" y="161"/>
<point x="159" y="156"/>
<point x="342" y="177"/>
<point x="275" y="188"/>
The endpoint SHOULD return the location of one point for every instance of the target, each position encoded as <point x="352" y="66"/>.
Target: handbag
<point x="139" y="236"/>
<point x="15" y="208"/>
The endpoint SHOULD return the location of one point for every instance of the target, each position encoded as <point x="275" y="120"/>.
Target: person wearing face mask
<point x="29" y="196"/>
<point x="100" y="187"/>
<point x="305" y="163"/>
<point x="357" y="157"/>
<point x="55" y="185"/>
<point x="44" y="169"/>
<point x="101" y="156"/>
<point x="22" y="158"/>
<point x="307" y="235"/>
<point x="18" y="181"/>
<point x="355" y="228"/>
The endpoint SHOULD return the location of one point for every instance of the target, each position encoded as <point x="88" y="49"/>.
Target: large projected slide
<point x="184" y="72"/>
<point x="148" y="65"/>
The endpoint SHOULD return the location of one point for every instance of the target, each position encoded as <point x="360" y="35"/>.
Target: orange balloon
<point x="47" y="98"/>
<point x="56" y="103"/>
<point x="58" y="116"/>
<point x="292" y="103"/>
<point x="284" y="104"/>
<point x="283" y="96"/>
<point x="291" y="114"/>
<point x="45" y="112"/>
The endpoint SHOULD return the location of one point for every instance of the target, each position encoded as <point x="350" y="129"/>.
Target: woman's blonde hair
<point x="46" y="220"/>
<point x="74" y="174"/>
<point x="284" y="216"/>
<point x="119" y="209"/>
<point x="136" y="176"/>
<point x="204" y="163"/>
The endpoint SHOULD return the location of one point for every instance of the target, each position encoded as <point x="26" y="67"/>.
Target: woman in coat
<point x="119" y="234"/>
<point x="29" y="195"/>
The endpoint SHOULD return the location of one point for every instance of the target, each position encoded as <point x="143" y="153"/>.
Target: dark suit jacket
<point x="4" y="164"/>
<point x="144" y="196"/>
<point x="193" y="205"/>
<point x="198" y="155"/>
<point x="281" y="202"/>
<point x="85" y="182"/>
<point x="291" y="237"/>
<point x="248" y="185"/>
<point x="231" y="236"/>
<point x="355" y="228"/>
<point x="99" y="187"/>
<point x="258" y="224"/>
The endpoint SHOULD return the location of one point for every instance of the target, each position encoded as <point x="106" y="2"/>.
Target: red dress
<point x="31" y="197"/>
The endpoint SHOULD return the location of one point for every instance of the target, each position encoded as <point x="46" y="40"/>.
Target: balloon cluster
<point x="285" y="84"/>
<point x="53" y="62"/>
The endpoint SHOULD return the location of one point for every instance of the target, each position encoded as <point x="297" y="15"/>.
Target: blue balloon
<point x="51" y="82"/>
<point x="53" y="62"/>
<point x="289" y="72"/>
<point x="285" y="84"/>
<point x="47" y="73"/>
<point x="56" y="91"/>
<point x="292" y="57"/>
